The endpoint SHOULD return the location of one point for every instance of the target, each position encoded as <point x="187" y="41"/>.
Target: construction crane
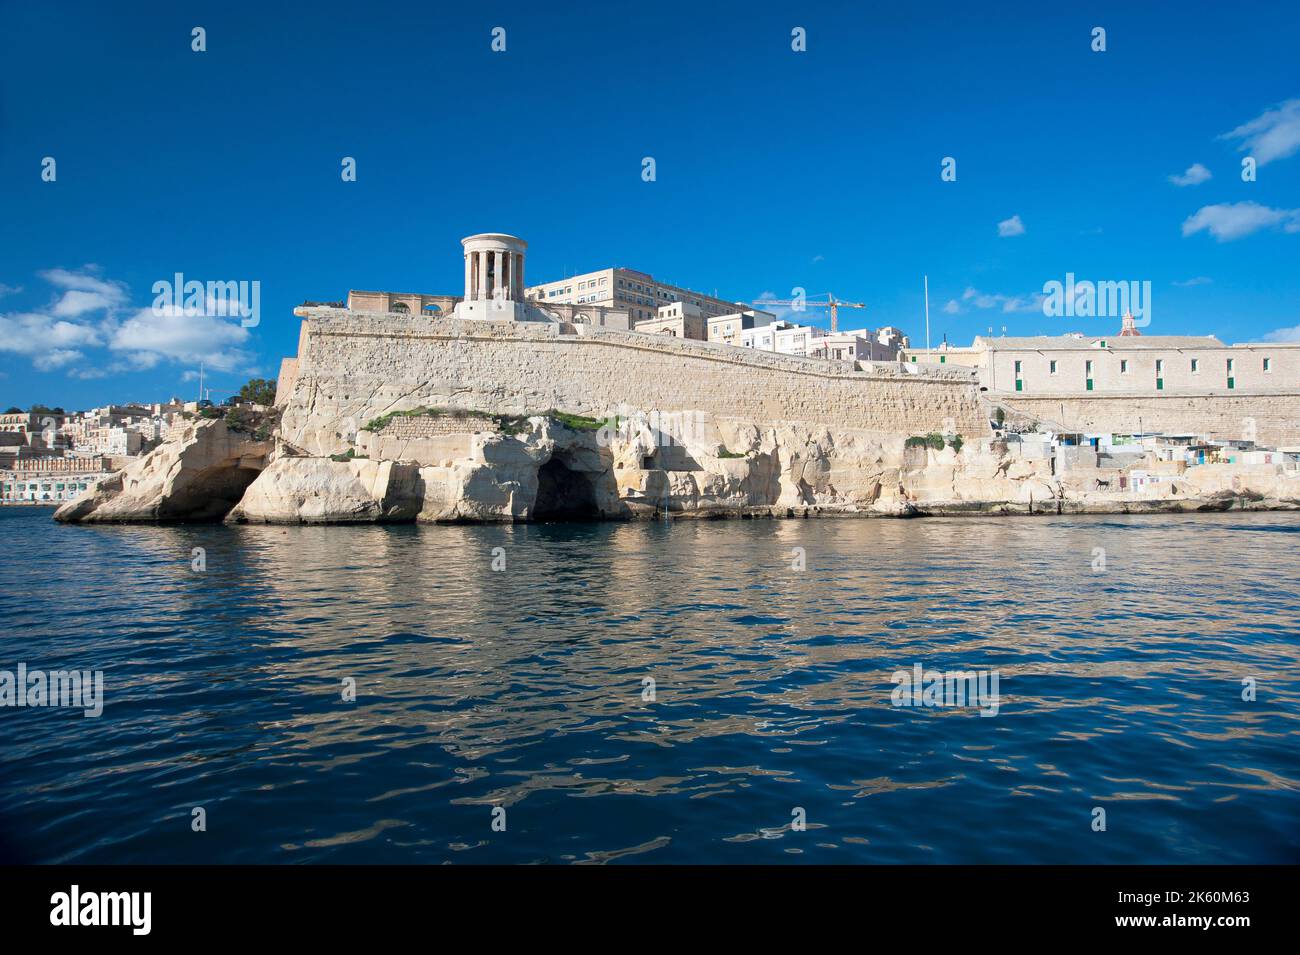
<point x="833" y="303"/>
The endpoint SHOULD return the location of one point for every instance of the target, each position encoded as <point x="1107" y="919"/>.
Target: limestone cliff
<point x="197" y="475"/>
<point x="693" y="465"/>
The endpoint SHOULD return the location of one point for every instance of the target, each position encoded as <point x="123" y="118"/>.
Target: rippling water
<point x="523" y="689"/>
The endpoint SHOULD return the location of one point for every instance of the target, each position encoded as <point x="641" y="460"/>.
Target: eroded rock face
<point x="684" y="464"/>
<point x="498" y="477"/>
<point x="198" y="475"/>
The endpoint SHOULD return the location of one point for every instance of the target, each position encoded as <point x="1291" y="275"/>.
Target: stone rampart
<point x="1272" y="419"/>
<point x="353" y="367"/>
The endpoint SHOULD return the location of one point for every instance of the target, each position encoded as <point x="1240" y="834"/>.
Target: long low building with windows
<point x="1165" y="363"/>
<point x="51" y="482"/>
<point x="1131" y="363"/>
<point x="639" y="293"/>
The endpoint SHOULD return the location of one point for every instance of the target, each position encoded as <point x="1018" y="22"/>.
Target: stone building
<point x="50" y="481"/>
<point x="727" y="328"/>
<point x="680" y="320"/>
<point x="494" y="291"/>
<point x="780" y="336"/>
<point x="402" y="303"/>
<point x="1134" y="365"/>
<point x="637" y="292"/>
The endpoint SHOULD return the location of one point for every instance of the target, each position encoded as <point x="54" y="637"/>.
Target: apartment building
<point x="638" y="292"/>
<point x="780" y="336"/>
<point x="50" y="482"/>
<point x="881" y="344"/>
<point x="680" y="319"/>
<point x="727" y="328"/>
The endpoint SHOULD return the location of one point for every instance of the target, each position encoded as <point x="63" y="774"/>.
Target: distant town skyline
<point x="773" y="168"/>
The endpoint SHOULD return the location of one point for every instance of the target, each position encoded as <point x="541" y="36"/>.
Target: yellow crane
<point x="833" y="303"/>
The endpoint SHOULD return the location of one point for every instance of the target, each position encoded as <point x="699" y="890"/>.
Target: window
<point x="1196" y="365"/>
<point x="1051" y="367"/>
<point x="1018" y="366"/>
<point x="1087" y="368"/>
<point x="1123" y="366"/>
<point x="400" y="308"/>
<point x="1020" y="384"/>
<point x="1268" y="364"/>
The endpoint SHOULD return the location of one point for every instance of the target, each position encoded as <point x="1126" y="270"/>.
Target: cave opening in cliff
<point x="564" y="494"/>
<point x="210" y="495"/>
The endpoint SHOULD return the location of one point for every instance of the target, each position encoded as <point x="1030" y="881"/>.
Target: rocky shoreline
<point x="471" y="467"/>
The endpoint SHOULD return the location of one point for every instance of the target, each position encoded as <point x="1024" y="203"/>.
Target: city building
<point x="865" y="344"/>
<point x="494" y="291"/>
<point x="680" y="319"/>
<point x="51" y="481"/>
<point x="640" y="293"/>
<point x="780" y="336"/>
<point x="946" y="354"/>
<point x="727" y="328"/>
<point x="1133" y="364"/>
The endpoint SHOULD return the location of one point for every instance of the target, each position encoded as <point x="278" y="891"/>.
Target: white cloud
<point x="1274" y="134"/>
<point x="1196" y="174"/>
<point x="1234" y="220"/>
<point x="1010" y="227"/>
<point x="86" y="281"/>
<point x="170" y="333"/>
<point x="1284" y="335"/>
<point x="1199" y="280"/>
<point x="55" y="337"/>
<point x="951" y="307"/>
<point x="88" y="374"/>
<point x="9" y="289"/>
<point x="1006" y="303"/>
<point x="56" y="358"/>
<point x="77" y="302"/>
<point x="34" y="333"/>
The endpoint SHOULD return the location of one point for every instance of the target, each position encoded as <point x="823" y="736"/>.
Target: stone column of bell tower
<point x="494" y="278"/>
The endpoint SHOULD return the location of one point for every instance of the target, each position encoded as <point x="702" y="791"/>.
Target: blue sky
<point x="775" y="169"/>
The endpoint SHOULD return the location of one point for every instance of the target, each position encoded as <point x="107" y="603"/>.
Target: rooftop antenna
<point x="927" y="316"/>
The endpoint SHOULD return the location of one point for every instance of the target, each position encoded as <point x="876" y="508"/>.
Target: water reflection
<point x="522" y="688"/>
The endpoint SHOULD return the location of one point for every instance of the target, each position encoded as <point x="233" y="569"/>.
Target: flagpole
<point x="928" y="356"/>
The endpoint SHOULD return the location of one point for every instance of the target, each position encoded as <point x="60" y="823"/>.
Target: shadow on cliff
<point x="564" y="494"/>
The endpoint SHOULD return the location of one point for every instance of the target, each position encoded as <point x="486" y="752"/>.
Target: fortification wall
<point x="431" y="426"/>
<point x="353" y="367"/>
<point x="1269" y="418"/>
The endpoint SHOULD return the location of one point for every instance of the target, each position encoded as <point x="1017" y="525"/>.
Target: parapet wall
<point x="353" y="367"/>
<point x="1272" y="419"/>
